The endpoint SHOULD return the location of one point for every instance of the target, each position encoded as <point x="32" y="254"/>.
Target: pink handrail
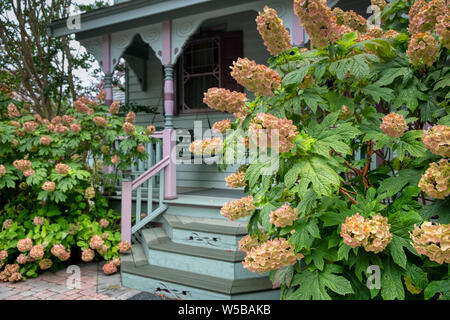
<point x="150" y="173"/>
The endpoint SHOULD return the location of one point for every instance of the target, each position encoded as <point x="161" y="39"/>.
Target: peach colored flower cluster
<point x="46" y="140"/>
<point x="59" y="128"/>
<point x="426" y="17"/>
<point x="283" y="216"/>
<point x="206" y="147"/>
<point x="415" y="8"/>
<point x="7" y="224"/>
<point x="222" y="126"/>
<point x="437" y="140"/>
<point x="131" y="117"/>
<point x="115" y="159"/>
<point x="13" y="112"/>
<point x="45" y="264"/>
<point x="236" y="180"/>
<point x="87" y="255"/>
<point x="62" y="168"/>
<point x="124" y="246"/>
<point x="67" y="119"/>
<point x="443" y="30"/>
<point x="432" y="240"/>
<point x="272" y="30"/>
<point x="81" y="106"/>
<point x="30" y="126"/>
<point x="393" y="125"/>
<point x="23" y="259"/>
<point x="373" y="234"/>
<point x="247" y="243"/>
<point x="423" y="49"/>
<point x="38" y="221"/>
<point x="102" y="95"/>
<point x="391" y="34"/>
<point x="105" y="235"/>
<point x="49" y="186"/>
<point x="350" y="19"/>
<point x="255" y="77"/>
<point x="110" y="268"/>
<point x="22" y="165"/>
<point x="56" y="120"/>
<point x="103" y="249"/>
<point x="24" y="245"/>
<point x="14" y="124"/>
<point x="140" y="148"/>
<point x="150" y="130"/>
<point x="379" y="3"/>
<point x="100" y="121"/>
<point x="225" y="100"/>
<point x="2" y="170"/>
<point x="28" y="172"/>
<point x="237" y="209"/>
<point x="271" y="255"/>
<point x="436" y="180"/>
<point x="3" y="255"/>
<point x="129" y="128"/>
<point x="318" y="21"/>
<point x="59" y="251"/>
<point x="114" y="107"/>
<point x="96" y="242"/>
<point x="104" y="223"/>
<point x="37" y="252"/>
<point x="75" y="127"/>
<point x="374" y="32"/>
<point x="89" y="193"/>
<point x="267" y="124"/>
<point x="11" y="273"/>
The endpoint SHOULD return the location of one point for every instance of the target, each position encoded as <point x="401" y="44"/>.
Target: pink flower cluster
<point x="208" y="147"/>
<point x="115" y="159"/>
<point x="104" y="223"/>
<point x="59" y="128"/>
<point x="225" y="100"/>
<point x="3" y="255"/>
<point x="247" y="243"/>
<point x="350" y="19"/>
<point x="140" y="148"/>
<point x="102" y="95"/>
<point x="22" y="165"/>
<point x="272" y="30"/>
<point x="271" y="255"/>
<point x="394" y="125"/>
<point x="49" y="186"/>
<point x="38" y="221"/>
<point x="7" y="224"/>
<point x="87" y="255"/>
<point x="45" y="264"/>
<point x="67" y="119"/>
<point x="13" y="112"/>
<point x="11" y="273"/>
<point x="318" y="21"/>
<point x="391" y="34"/>
<point x="110" y="267"/>
<point x="379" y="3"/>
<point x="46" y="140"/>
<point x="373" y="234"/>
<point x="37" y="252"/>
<point x="222" y="126"/>
<point x="131" y="117"/>
<point x="426" y="17"/>
<point x="114" y="107"/>
<point x="283" y="216"/>
<point x="62" y="169"/>
<point x="436" y="180"/>
<point x="59" y="251"/>
<point x="236" y="180"/>
<point x="432" y="240"/>
<point x="30" y="126"/>
<point x="96" y="242"/>
<point x="443" y="30"/>
<point x="415" y="8"/>
<point x="2" y="170"/>
<point x="237" y="209"/>
<point x="437" y="140"/>
<point x="23" y="259"/>
<point x="129" y="128"/>
<point x="75" y="127"/>
<point x="124" y="246"/>
<point x="264" y="125"/>
<point x="100" y="121"/>
<point x="81" y="106"/>
<point x="150" y="130"/>
<point x="255" y="77"/>
<point x="24" y="245"/>
<point x="423" y="49"/>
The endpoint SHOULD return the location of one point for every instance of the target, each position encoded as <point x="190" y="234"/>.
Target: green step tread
<point x="195" y="280"/>
<point x="156" y="239"/>
<point x="197" y="225"/>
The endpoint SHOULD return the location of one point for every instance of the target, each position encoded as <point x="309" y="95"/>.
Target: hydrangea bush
<point x="54" y="175"/>
<point x="324" y="216"/>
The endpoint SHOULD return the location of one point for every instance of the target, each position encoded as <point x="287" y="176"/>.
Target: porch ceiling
<point x="135" y="13"/>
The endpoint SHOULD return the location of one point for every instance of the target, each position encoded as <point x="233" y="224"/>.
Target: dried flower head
<point x="22" y="165"/>
<point x="247" y="243"/>
<point x="131" y="117"/>
<point x="109" y="268"/>
<point x="62" y="169"/>
<point x="37" y="252"/>
<point x="225" y="100"/>
<point x="283" y="216"/>
<point x="59" y="251"/>
<point x="379" y="3"/>
<point x="89" y="193"/>
<point x="425" y="19"/>
<point x="75" y="127"/>
<point x="30" y="126"/>
<point x="432" y="240"/>
<point x="272" y="30"/>
<point x="350" y="19"/>
<point x="124" y="246"/>
<point x="59" y="128"/>
<point x="115" y="159"/>
<point x="435" y="182"/>
<point x="391" y="34"/>
<point x="49" y="186"/>
<point x="96" y="242"/>
<point x="150" y="130"/>
<point x="437" y="140"/>
<point x="46" y="140"/>
<point x="140" y="148"/>
<point x="237" y="209"/>
<point x="423" y="49"/>
<point x="236" y="180"/>
<point x="100" y="121"/>
<point x="129" y="128"/>
<point x="114" y="107"/>
<point x="104" y="223"/>
<point x="443" y="30"/>
<point x="394" y="125"/>
<point x="24" y="245"/>
<point x="7" y="224"/>
<point x="13" y="112"/>
<point x="38" y="221"/>
<point x="45" y="264"/>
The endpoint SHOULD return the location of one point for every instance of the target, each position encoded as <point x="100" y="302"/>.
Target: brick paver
<point x="93" y="285"/>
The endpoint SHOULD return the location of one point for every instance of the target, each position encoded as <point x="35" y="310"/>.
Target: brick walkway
<point x="63" y="285"/>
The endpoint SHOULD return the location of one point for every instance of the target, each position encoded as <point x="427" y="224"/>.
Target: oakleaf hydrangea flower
<point x="49" y="186"/>
<point x="237" y="209"/>
<point x="415" y="8"/>
<point x="100" y="121"/>
<point x="102" y="95"/>
<point x="22" y="259"/>
<point x="114" y="107"/>
<point x="62" y="169"/>
<point x="124" y="246"/>
<point x="28" y="172"/>
<point x="150" y="130"/>
<point x="2" y="170"/>
<point x="59" y="251"/>
<point x="59" y="128"/>
<point x="109" y="268"/>
<point x="46" y="140"/>
<point x="350" y="19"/>
<point x="13" y="112"/>
<point x="96" y="242"/>
<point x="22" y="165"/>
<point x="255" y="77"/>
<point x="247" y="243"/>
<point x="140" y="148"/>
<point x="283" y="216"/>
<point x="7" y="224"/>
<point x="24" y="245"/>
<point x="37" y="252"/>
<point x="206" y="147"/>
<point x="3" y="255"/>
<point x="131" y="117"/>
<point x="425" y="19"/>
<point x="443" y="30"/>
<point x="391" y="34"/>
<point x="104" y="223"/>
<point x="38" y="221"/>
<point x="271" y="255"/>
<point x="423" y="49"/>
<point x="222" y="126"/>
<point x="102" y="250"/>
<point x="379" y="3"/>
<point x="67" y="119"/>
<point x="75" y="127"/>
<point x="394" y="125"/>
<point x="236" y="180"/>
<point x="129" y="128"/>
<point x="89" y="193"/>
<point x="271" y="28"/>
<point x="115" y="159"/>
<point x="30" y="126"/>
<point x="432" y="240"/>
<point x="435" y="182"/>
<point x="437" y="140"/>
<point x="45" y="264"/>
<point x="225" y="100"/>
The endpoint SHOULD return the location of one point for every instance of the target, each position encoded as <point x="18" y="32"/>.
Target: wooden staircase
<point x="192" y="252"/>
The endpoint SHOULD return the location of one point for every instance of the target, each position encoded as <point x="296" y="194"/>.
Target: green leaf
<point x="442" y="287"/>
<point x="378" y="93"/>
<point x="410" y="142"/>
<point x="417" y="275"/>
<point x="321" y="253"/>
<point x="393" y="185"/>
<point x="396" y="249"/>
<point x="296" y="76"/>
<point x="391" y="282"/>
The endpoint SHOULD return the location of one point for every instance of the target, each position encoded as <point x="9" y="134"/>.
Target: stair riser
<point x="210" y="267"/>
<point x="177" y="291"/>
<point x="198" y="212"/>
<point x="202" y="239"/>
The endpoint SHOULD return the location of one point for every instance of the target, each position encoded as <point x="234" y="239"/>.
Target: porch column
<point x="169" y="135"/>
<point x="298" y="32"/>
<point x="106" y="65"/>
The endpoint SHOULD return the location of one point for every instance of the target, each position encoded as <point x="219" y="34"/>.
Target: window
<point x="205" y="63"/>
